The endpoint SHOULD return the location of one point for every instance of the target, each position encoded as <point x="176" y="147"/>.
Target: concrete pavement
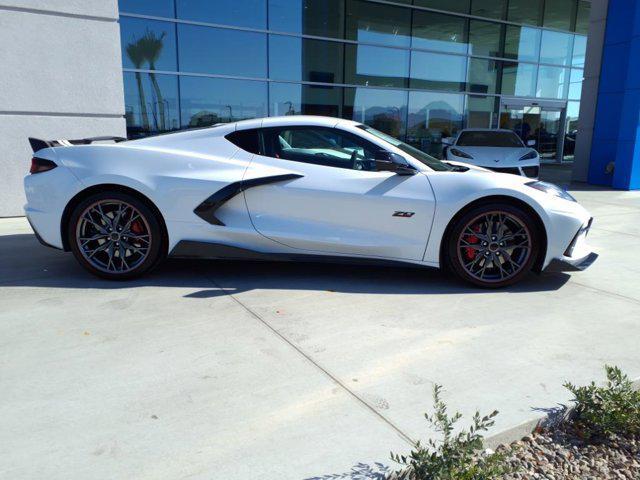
<point x="288" y="371"/>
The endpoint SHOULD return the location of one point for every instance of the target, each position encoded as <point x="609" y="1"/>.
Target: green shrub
<point x="458" y="456"/>
<point x="603" y="411"/>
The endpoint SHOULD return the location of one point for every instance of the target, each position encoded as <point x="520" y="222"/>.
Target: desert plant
<point x="612" y="409"/>
<point x="458" y="456"/>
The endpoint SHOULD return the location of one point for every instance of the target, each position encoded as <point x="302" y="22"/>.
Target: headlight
<point x="458" y="153"/>
<point x="532" y="155"/>
<point x="551" y="189"/>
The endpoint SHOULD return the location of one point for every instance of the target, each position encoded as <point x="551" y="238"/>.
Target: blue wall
<point x="616" y="135"/>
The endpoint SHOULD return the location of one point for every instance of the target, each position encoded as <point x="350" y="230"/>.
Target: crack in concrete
<point x="310" y="359"/>
<point x="607" y="292"/>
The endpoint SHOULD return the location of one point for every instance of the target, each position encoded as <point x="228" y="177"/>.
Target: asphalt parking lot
<point x="217" y="370"/>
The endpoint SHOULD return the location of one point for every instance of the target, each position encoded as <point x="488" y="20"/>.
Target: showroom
<point x="412" y="71"/>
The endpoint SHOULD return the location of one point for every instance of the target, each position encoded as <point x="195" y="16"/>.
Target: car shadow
<point x="26" y="263"/>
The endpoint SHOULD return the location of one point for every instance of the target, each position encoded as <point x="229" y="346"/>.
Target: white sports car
<point x="498" y="150"/>
<point x="295" y="188"/>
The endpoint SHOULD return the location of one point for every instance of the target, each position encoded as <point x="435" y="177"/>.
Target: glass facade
<point x="420" y="70"/>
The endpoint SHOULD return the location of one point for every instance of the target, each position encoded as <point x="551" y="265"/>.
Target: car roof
<point x="501" y="130"/>
<point x="222" y="129"/>
<point x="286" y="120"/>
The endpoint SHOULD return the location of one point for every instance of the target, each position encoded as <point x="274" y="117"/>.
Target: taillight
<point x="39" y="165"/>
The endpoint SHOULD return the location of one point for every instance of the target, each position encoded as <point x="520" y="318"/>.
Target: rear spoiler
<point x="38" y="144"/>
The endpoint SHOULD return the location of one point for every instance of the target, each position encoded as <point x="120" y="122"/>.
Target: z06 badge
<point x="404" y="214"/>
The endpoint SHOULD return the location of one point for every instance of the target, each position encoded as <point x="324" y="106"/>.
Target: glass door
<point x="541" y="123"/>
<point x="524" y="120"/>
<point x="548" y="135"/>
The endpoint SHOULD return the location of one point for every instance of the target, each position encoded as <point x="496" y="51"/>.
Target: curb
<point x="516" y="433"/>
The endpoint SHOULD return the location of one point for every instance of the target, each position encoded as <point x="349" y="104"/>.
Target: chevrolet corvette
<point x="295" y="188"/>
<point x="498" y="150"/>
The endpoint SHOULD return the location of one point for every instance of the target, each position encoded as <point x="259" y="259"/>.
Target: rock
<point x="560" y="455"/>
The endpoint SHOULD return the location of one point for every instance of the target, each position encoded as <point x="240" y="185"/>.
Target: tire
<point x="497" y="259"/>
<point x="115" y="236"/>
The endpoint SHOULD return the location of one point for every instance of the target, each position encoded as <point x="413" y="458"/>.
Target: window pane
<point x="321" y="146"/>
<point x="437" y="71"/>
<point x="376" y="66"/>
<point x="292" y="99"/>
<point x="573" y="110"/>
<point x="488" y="8"/>
<point x="432" y="117"/>
<point x="461" y="6"/>
<point x="522" y="43"/>
<point x="151" y="103"/>
<point x="377" y="23"/>
<point x="434" y="31"/>
<point x="293" y="58"/>
<point x="582" y="20"/>
<point x="308" y="17"/>
<point x="222" y="51"/>
<point x="158" y="8"/>
<point x="484" y="38"/>
<point x="242" y="13"/>
<point x="206" y="101"/>
<point x="481" y="111"/>
<point x="575" y="84"/>
<point x="557" y="14"/>
<point x="384" y="110"/>
<point x="525" y="11"/>
<point x="579" y="50"/>
<point x="483" y="75"/>
<point x="556" y="48"/>
<point x="518" y="79"/>
<point x="553" y="82"/>
<point x="248" y="140"/>
<point x="148" y="44"/>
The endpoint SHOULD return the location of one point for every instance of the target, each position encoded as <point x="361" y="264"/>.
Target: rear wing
<point x="38" y="144"/>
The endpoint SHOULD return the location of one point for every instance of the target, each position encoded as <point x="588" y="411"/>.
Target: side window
<point x="320" y="146"/>
<point x="247" y="140"/>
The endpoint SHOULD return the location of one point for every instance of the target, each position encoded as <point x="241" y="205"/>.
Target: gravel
<point x="559" y="454"/>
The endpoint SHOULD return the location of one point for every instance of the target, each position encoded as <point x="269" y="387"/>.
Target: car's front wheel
<point x="114" y="235"/>
<point x="493" y="245"/>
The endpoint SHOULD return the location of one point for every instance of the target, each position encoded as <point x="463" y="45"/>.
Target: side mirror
<point x="392" y="162"/>
<point x="531" y="143"/>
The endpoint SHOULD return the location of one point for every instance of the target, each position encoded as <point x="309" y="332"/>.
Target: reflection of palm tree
<point x="137" y="58"/>
<point x="150" y="47"/>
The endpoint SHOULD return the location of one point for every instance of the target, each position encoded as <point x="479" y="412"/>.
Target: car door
<point x="337" y="203"/>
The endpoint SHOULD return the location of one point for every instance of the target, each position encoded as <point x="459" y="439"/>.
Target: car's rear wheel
<point x="493" y="245"/>
<point x="115" y="235"/>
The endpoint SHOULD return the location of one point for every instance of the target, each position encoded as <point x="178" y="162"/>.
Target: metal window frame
<point x="499" y="97"/>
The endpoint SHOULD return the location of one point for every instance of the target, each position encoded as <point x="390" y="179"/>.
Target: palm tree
<point x="136" y="55"/>
<point x="150" y="47"/>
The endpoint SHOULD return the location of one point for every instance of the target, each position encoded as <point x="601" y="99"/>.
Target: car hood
<point x="494" y="156"/>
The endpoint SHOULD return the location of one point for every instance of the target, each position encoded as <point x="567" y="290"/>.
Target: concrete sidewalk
<point x="215" y="370"/>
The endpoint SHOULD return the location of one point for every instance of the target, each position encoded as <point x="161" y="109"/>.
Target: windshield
<point x="489" y="139"/>
<point x="419" y="155"/>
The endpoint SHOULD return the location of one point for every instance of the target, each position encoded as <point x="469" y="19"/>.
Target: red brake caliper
<point x="470" y="252"/>
<point x="136" y="227"/>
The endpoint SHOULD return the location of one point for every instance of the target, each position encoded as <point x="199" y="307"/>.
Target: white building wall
<point x="61" y="77"/>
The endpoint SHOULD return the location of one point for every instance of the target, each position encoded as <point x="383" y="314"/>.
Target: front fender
<point x="456" y="190"/>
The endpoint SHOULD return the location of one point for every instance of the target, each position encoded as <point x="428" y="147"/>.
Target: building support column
<point x="590" y="84"/>
<point x="60" y="77"/>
